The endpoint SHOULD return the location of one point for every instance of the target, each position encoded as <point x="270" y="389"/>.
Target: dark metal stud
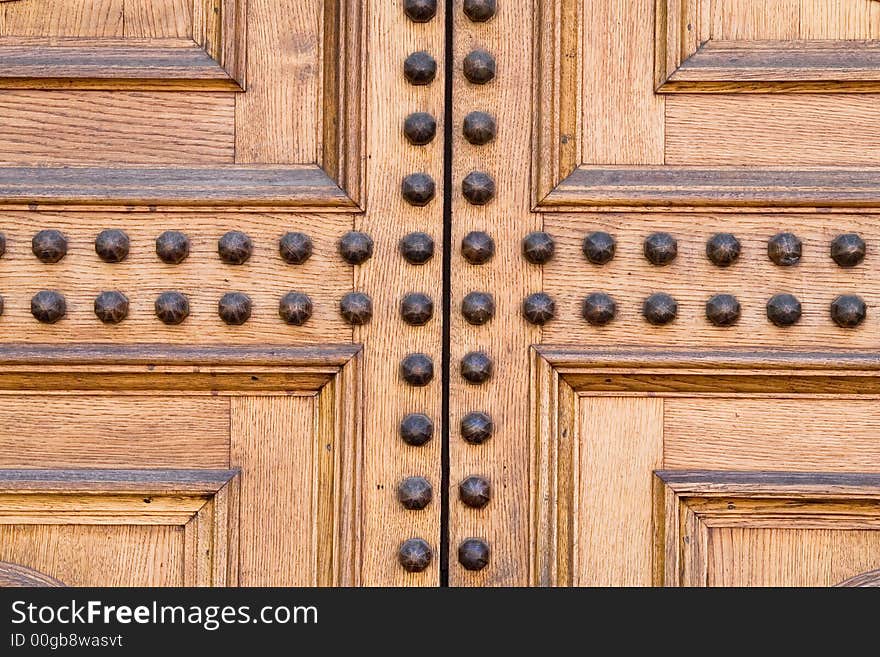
<point x="785" y="249"/>
<point x="416" y="309"/>
<point x="477" y="247"/>
<point x="295" y="308"/>
<point x="49" y="246"/>
<point x="112" y="245"/>
<point x="2" y="305"/>
<point x="538" y="308"/>
<point x="415" y="555"/>
<point x="172" y="307"/>
<point x="417" y="369"/>
<point x="48" y="306"/>
<point x="417" y="248"/>
<point x="356" y="248"/>
<point x="420" y="128"/>
<point x="235" y="308"/>
<point x="723" y="310"/>
<point x="111" y="307"/>
<point x="476" y="367"/>
<point x="478" y="188"/>
<point x="420" y="11"/>
<point x="479" y="11"/>
<point x="478" y="308"/>
<point x="660" y="309"/>
<point x="848" y="250"/>
<point x="2" y="245"/>
<point x="356" y="308"/>
<point x="479" y="67"/>
<point x="473" y="554"/>
<point x="420" y="68"/>
<point x="784" y="309"/>
<point x="661" y="249"/>
<point x="723" y="249"/>
<point x="599" y="247"/>
<point x="235" y="248"/>
<point x="475" y="492"/>
<point x="599" y="309"/>
<point x="414" y="493"/>
<point x="476" y="427"/>
<point x="172" y="247"/>
<point x="538" y="247"/>
<point x="848" y="311"/>
<point x="295" y="248"/>
<point x="479" y="128"/>
<point x="418" y="189"/>
<point x="416" y="429"/>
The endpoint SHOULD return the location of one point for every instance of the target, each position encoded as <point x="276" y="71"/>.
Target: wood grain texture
<point x="72" y="18"/>
<point x="868" y="579"/>
<point x="15" y="576"/>
<point x="756" y="19"/>
<point x="158" y="18"/>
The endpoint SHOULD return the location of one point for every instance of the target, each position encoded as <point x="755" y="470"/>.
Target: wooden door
<point x="665" y="292"/>
<point x="221" y="291"/>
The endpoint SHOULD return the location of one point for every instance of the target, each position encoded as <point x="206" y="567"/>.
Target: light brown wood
<point x="72" y="18"/>
<point x="758" y="19"/>
<point x="158" y="18"/>
<point x="15" y="576"/>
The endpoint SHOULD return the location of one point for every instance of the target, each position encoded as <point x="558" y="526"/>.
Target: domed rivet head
<point x="476" y="367"/>
<point x="172" y="307"/>
<point x="414" y="493"/>
<point x="111" y="307"/>
<point x="415" y="555"/>
<point x="295" y="308"/>
<point x="477" y="248"/>
<point x="478" y="188"/>
<point x="48" y="306"/>
<point x="785" y="249"/>
<point x="723" y="310"/>
<point x="420" y="68"/>
<point x="420" y="128"/>
<point x="420" y="11"/>
<point x="295" y="248"/>
<point x="2" y="245"/>
<point x="476" y="427"/>
<point x="479" y="67"/>
<point x="478" y="308"/>
<point x="417" y="248"/>
<point x="660" y="249"/>
<point x="417" y="369"/>
<point x="784" y="310"/>
<point x="848" y="250"/>
<point x="112" y="245"/>
<point x="235" y="248"/>
<point x="416" y="429"/>
<point x="599" y="309"/>
<point x="473" y="554"/>
<point x="235" y="308"/>
<point x="172" y="247"/>
<point x="660" y="309"/>
<point x="479" y="11"/>
<point x="723" y="249"/>
<point x="416" y="309"/>
<point x="418" y="189"/>
<point x="475" y="492"/>
<point x="538" y="248"/>
<point x="356" y="248"/>
<point x="356" y="308"/>
<point x="599" y="247"/>
<point x="49" y="246"/>
<point x="538" y="308"/>
<point x="479" y="128"/>
<point x="848" y="311"/>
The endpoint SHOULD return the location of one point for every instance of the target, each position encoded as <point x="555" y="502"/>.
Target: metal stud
<point x="420" y="68"/>
<point x="417" y="248"/>
<point x="723" y="249"/>
<point x="355" y="247"/>
<point x="356" y="308"/>
<point x="599" y="247"/>
<point x="295" y="308"/>
<point x="538" y="248"/>
<point x="235" y="248"/>
<point x="172" y="307"/>
<point x="476" y="427"/>
<point x="418" y="189"/>
<point x="420" y="128"/>
<point x="235" y="308"/>
<point x="416" y="429"/>
<point x="112" y="245"/>
<point x="477" y="247"/>
<point x="479" y="128"/>
<point x="538" y="308"/>
<point x="48" y="306"/>
<point x="111" y="307"/>
<point x="660" y="309"/>
<point x="848" y="311"/>
<point x="417" y="369"/>
<point x="473" y="554"/>
<point x="420" y="11"/>
<point x="479" y="67"/>
<point x="723" y="310"/>
<point x="784" y="310"/>
<point x="478" y="188"/>
<point x="49" y="246"/>
<point x="295" y="248"/>
<point x="785" y="249"/>
<point x="414" y="493"/>
<point x="416" y="309"/>
<point x="479" y="11"/>
<point x="172" y="247"/>
<point x="2" y="305"/>
<point x="599" y="309"/>
<point x="415" y="555"/>
<point x="478" y="308"/>
<point x="477" y="367"/>
<point x="848" y="250"/>
<point x="475" y="492"/>
<point x="2" y="245"/>
<point x="660" y="249"/>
